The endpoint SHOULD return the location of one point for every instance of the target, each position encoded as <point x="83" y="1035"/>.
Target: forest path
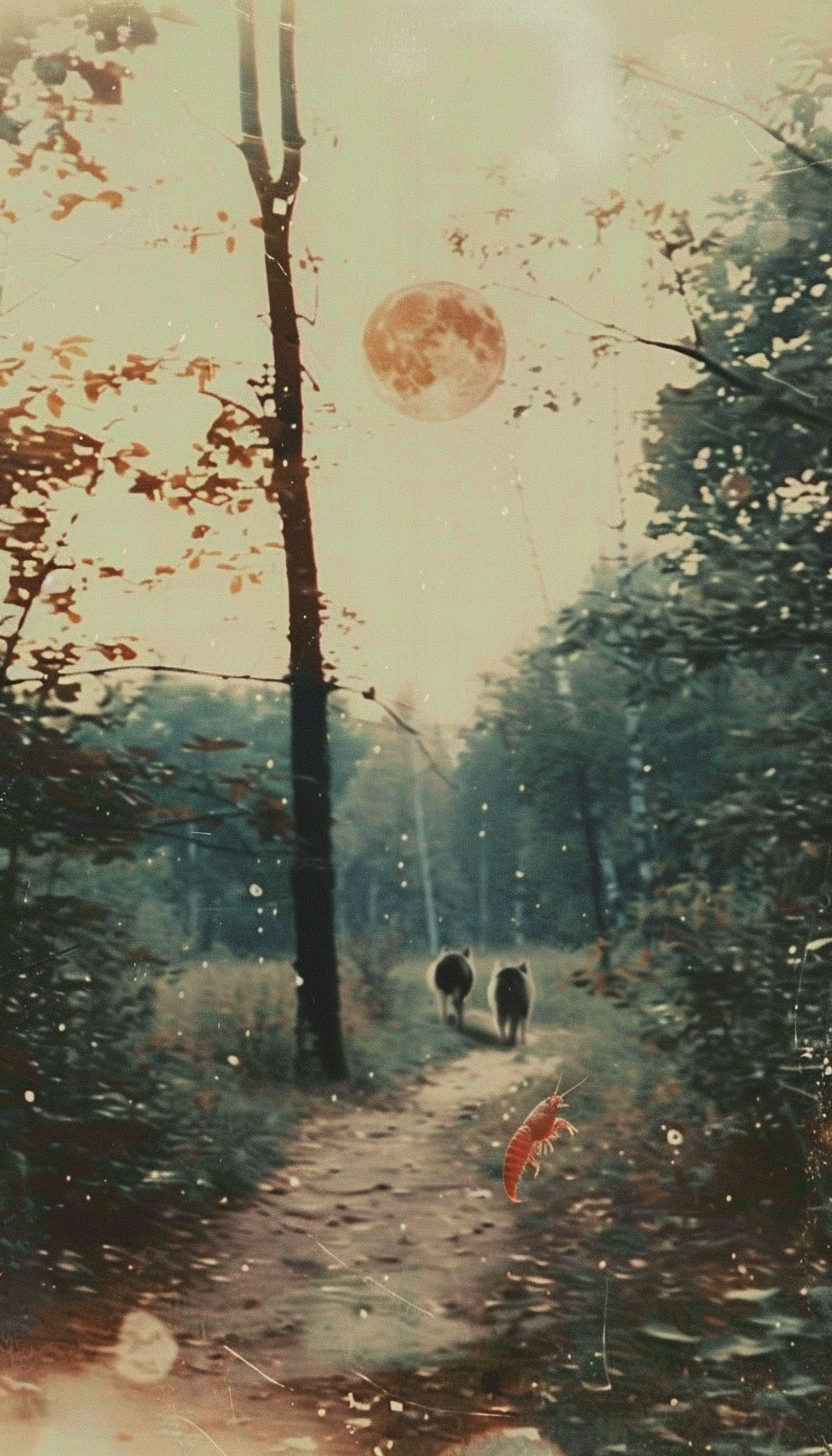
<point x="375" y="1248"/>
<point x="372" y="1247"/>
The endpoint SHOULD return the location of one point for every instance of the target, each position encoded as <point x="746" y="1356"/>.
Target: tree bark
<point x="319" y="1046"/>
<point x="596" y="876"/>
<point x="191" y="893"/>
<point x="602" y="874"/>
<point x="483" y="917"/>
<point x="639" y="826"/>
<point x="372" y="907"/>
<point x="431" y="923"/>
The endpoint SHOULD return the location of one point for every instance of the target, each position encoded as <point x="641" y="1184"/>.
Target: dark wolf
<point x="452" y="977"/>
<point x="510" y="995"/>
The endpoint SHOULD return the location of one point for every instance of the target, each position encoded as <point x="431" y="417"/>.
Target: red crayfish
<point x="533" y="1137"/>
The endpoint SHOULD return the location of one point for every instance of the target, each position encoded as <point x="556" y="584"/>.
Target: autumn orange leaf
<point x="67" y="203"/>
<point x="115" y="651"/>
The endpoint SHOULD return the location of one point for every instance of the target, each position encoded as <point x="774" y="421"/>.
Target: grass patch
<point x="226" y="1029"/>
<point x="241" y="1014"/>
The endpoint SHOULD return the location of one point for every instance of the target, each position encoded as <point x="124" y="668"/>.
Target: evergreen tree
<point x="377" y="845"/>
<point x="737" y="608"/>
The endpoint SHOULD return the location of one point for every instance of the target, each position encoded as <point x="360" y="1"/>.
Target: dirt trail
<point x="374" y="1248"/>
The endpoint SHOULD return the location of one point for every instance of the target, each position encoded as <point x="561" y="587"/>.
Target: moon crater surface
<point x="435" y="351"/>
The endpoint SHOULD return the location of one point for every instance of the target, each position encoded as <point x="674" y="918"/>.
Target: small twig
<point x="372" y="697"/>
<point x="763" y="387"/>
<point x="256" y="1368"/>
<point x="155" y="667"/>
<point x="806" y="157"/>
<point x="368" y="1279"/>
<point x="201" y="1432"/>
<point x="434" y="1409"/>
<point x="250" y="677"/>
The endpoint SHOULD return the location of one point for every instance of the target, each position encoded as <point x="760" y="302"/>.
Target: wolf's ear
<point x="467" y="950"/>
<point x="524" y="968"/>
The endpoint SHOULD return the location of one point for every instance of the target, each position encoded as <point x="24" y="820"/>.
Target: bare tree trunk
<point x="483" y="918"/>
<point x="192" y="894"/>
<point x="596" y="873"/>
<point x="639" y="826"/>
<point x="372" y="907"/>
<point x="612" y="889"/>
<point x="431" y="924"/>
<point x="519" y="912"/>
<point x="603" y="880"/>
<point x="319" y="1037"/>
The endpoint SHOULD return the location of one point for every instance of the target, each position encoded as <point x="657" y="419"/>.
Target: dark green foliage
<point x="114" y="25"/>
<point x="223" y="822"/>
<point x="735" y="614"/>
<point x="380" y="871"/>
<point x="488" y="839"/>
<point x="97" y="1115"/>
<point x="374" y="960"/>
<point x="74" y="994"/>
<point x="550" y="757"/>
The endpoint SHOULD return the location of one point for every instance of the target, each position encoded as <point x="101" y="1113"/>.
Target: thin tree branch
<point x="249" y="677"/>
<point x="372" y="697"/>
<point x="155" y="667"/>
<point x="252" y="146"/>
<point x="777" y="135"/>
<point x="290" y="129"/>
<point x="762" y="387"/>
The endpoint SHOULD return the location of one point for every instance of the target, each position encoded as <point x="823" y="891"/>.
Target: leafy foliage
<point x="736" y="606"/>
<point x="377" y="841"/>
<point x="221" y="828"/>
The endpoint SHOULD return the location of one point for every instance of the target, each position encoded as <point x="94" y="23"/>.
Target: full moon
<point x="435" y="351"/>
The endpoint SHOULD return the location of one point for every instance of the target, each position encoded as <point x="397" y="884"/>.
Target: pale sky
<point x="419" y="118"/>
